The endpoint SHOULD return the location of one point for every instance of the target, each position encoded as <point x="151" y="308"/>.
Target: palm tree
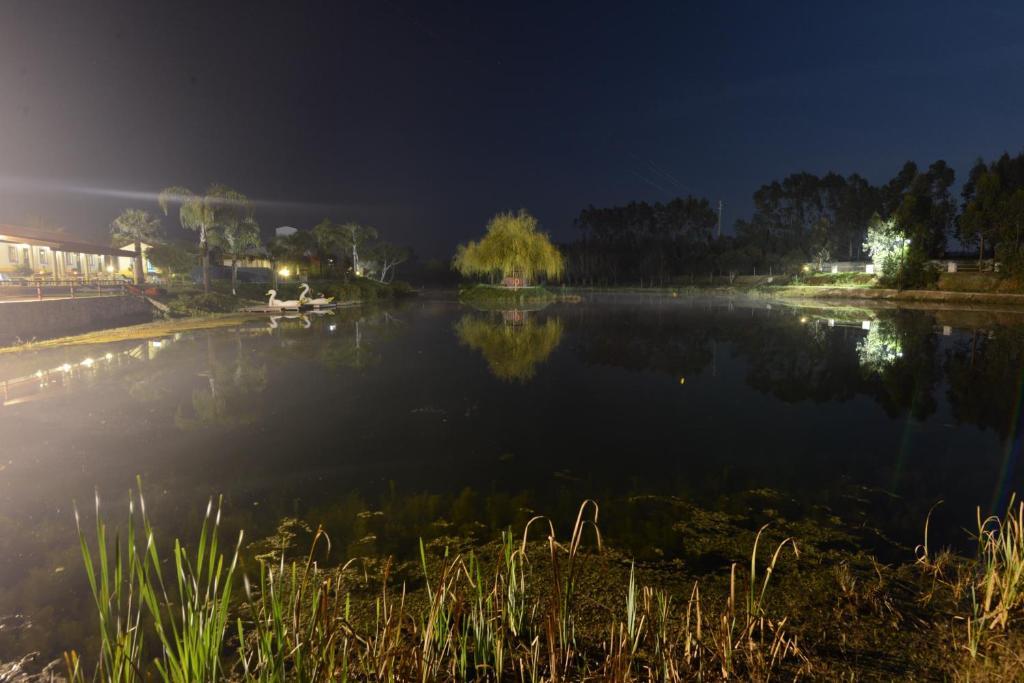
<point x="328" y="237"/>
<point x="136" y="226"/>
<point x="240" y="235"/>
<point x="202" y="213"/>
<point x="277" y="250"/>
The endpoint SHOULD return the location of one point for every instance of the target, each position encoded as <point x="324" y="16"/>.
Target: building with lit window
<point x="31" y="252"/>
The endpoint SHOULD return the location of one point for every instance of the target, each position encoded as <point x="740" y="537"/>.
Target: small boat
<point x="289" y="305"/>
<point x="315" y="303"/>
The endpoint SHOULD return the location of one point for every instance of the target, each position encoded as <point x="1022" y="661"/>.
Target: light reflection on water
<point x="435" y="412"/>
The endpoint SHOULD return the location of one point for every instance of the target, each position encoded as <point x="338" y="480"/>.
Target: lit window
<point x="12" y="253"/>
<point x="42" y="257"/>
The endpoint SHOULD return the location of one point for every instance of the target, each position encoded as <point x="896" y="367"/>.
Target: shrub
<point x="1011" y="259"/>
<point x="364" y="289"/>
<point x="898" y="263"/>
<point x="189" y="303"/>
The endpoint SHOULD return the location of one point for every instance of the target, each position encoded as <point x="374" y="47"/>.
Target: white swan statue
<point x="274" y="302"/>
<point x="306" y="301"/>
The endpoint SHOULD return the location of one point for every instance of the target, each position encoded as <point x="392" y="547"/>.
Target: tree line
<point x="800" y="219"/>
<point x="224" y="223"/>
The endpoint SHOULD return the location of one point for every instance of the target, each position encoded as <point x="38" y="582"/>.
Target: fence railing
<point x="943" y="265"/>
<point x="54" y="289"/>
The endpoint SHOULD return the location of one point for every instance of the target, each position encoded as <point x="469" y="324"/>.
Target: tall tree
<point x="239" y="236"/>
<point x="355" y="237"/>
<point x="136" y="226"/>
<point x="926" y="211"/>
<point x="201" y="213"/>
<point x="277" y="250"/>
<point x="993" y="209"/>
<point x="171" y="258"/>
<point x="328" y="238"/>
<point x="388" y="256"/>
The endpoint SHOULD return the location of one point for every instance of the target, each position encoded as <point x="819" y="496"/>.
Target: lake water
<point x="432" y="418"/>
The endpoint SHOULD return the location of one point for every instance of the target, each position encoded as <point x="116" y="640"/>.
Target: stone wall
<point x="27" y="320"/>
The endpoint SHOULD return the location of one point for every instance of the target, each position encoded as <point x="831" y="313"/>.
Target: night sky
<point x="426" y="118"/>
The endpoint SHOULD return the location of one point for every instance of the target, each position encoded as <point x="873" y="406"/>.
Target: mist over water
<point x="449" y="418"/>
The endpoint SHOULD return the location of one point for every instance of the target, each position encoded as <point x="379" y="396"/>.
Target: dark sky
<point x="426" y="118"/>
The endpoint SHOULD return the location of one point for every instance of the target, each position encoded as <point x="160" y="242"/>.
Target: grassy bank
<point x="499" y="295"/>
<point x="536" y="606"/>
<point x="833" y="289"/>
<point x="880" y="294"/>
<point x="193" y="301"/>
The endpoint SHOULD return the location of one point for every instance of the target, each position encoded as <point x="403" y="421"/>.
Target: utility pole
<point x="719" y="219"/>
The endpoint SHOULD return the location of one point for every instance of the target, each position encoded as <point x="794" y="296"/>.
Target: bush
<point x="1010" y="258"/>
<point x="197" y="303"/>
<point x="912" y="270"/>
<point x="364" y="289"/>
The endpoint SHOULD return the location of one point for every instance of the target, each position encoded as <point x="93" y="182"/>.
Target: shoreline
<point x="794" y="295"/>
<point x="939" y="298"/>
<point x="137" y="331"/>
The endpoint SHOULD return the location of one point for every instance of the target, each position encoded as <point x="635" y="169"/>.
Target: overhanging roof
<point x="58" y="241"/>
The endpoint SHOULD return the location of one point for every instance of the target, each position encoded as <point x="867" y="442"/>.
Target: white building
<point x="30" y="252"/>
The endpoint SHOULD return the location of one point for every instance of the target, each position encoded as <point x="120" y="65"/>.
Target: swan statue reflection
<point x="319" y="301"/>
<point x="274" y="302"/>
<point x="301" y="317"/>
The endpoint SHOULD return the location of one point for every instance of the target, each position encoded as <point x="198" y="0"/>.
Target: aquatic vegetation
<point x="513" y="350"/>
<point x="524" y="613"/>
<point x="132" y="599"/>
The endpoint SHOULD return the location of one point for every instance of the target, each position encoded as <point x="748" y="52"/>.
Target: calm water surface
<point x="454" y="421"/>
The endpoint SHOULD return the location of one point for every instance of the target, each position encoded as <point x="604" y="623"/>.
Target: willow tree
<point x="512" y="248"/>
<point x="203" y="214"/>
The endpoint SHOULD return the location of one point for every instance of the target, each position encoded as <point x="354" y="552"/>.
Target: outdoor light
<point x="88" y="362"/>
<point x="284" y="272"/>
<point x="66" y="367"/>
<point x="157" y="344"/>
<point x="110" y="356"/>
<point x="110" y="269"/>
<point x="332" y="327"/>
<point x="682" y="380"/>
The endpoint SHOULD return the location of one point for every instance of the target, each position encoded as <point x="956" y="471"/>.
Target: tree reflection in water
<point x="513" y="345"/>
<point x="228" y="397"/>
